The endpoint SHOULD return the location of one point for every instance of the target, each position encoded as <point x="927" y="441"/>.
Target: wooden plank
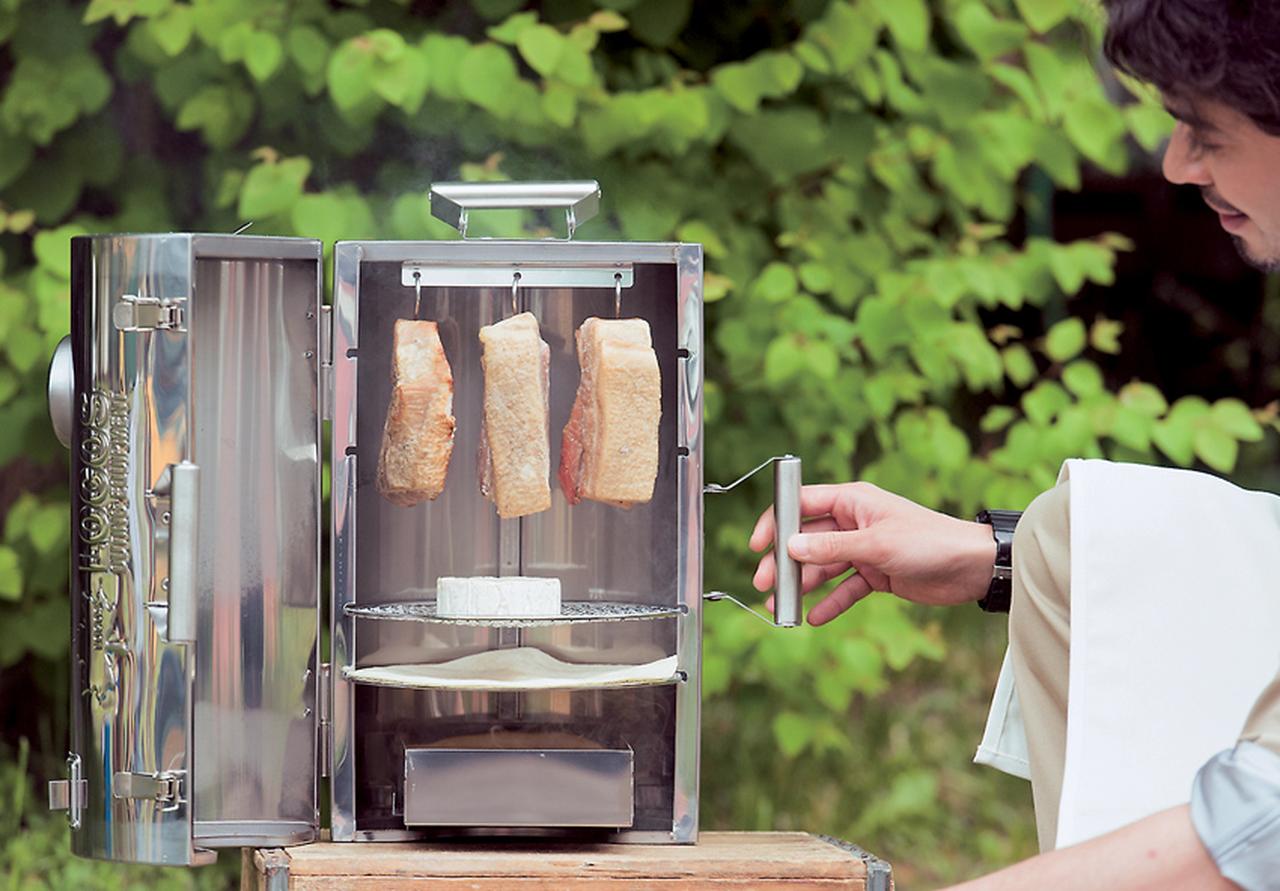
<point x="794" y="861"/>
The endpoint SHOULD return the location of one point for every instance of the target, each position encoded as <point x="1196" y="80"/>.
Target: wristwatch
<point x="1000" y="591"/>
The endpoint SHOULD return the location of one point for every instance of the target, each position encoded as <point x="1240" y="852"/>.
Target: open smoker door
<point x="187" y="394"/>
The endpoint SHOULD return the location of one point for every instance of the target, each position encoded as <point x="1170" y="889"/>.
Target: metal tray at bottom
<point x="518" y="787"/>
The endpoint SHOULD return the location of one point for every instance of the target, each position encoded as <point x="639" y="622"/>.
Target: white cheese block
<point x="489" y="597"/>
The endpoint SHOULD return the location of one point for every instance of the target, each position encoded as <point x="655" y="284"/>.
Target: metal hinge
<point x="70" y="794"/>
<point x="134" y="313"/>
<point x="324" y="699"/>
<point x="326" y="363"/>
<point x="164" y="787"/>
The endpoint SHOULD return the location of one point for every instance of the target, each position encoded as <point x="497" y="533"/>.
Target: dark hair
<point x="1226" y="51"/>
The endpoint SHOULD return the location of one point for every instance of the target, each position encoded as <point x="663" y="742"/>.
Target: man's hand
<point x="889" y="544"/>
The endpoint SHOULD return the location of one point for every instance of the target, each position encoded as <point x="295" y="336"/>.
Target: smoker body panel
<point x="162" y="685"/>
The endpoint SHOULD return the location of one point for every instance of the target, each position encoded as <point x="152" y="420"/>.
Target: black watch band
<point x="1000" y="591"/>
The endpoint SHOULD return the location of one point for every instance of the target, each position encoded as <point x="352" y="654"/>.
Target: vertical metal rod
<point x="417" y="293"/>
<point x="787" y="611"/>
<point x="515" y="292"/>
<point x="617" y="295"/>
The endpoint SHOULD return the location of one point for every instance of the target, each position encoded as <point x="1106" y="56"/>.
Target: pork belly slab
<point x="516" y="451"/>
<point x="610" y="447"/>
<point x="417" y="438"/>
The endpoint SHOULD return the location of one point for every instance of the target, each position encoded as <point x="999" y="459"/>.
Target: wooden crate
<point x="794" y="861"/>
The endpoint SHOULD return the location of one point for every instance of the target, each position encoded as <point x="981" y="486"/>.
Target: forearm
<point x="1159" y="853"/>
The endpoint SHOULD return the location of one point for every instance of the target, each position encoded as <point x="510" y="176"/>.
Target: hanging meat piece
<point x="610" y="447"/>
<point x="417" y="438"/>
<point x="515" y="459"/>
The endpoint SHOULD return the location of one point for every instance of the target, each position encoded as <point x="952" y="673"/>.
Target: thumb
<point x="827" y="547"/>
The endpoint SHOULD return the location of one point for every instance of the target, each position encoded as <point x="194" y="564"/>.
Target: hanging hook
<point x="417" y="293"/>
<point x="617" y="295"/>
<point x="515" y="288"/>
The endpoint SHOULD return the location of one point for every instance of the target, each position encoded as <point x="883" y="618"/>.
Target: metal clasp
<point x="70" y="794"/>
<point x="135" y="313"/>
<point x="164" y="787"/>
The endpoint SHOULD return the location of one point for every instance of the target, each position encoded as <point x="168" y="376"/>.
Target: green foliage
<point x="852" y="168"/>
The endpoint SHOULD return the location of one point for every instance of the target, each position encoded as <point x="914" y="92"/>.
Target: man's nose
<point x="1182" y="164"/>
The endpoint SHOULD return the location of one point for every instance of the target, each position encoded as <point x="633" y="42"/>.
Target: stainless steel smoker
<point x="192" y="393"/>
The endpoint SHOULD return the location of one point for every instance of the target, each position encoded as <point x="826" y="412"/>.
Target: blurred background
<point x="940" y="257"/>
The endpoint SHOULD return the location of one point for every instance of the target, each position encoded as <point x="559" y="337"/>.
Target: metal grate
<point x="570" y="612"/>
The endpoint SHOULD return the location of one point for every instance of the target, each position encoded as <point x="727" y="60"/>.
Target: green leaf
<point x="1065" y="340"/>
<point x="822" y="358"/>
<point x="272" y="188"/>
<point x="48" y="529"/>
<point x="793" y="733"/>
<point x="997" y="418"/>
<point x="308" y="48"/>
<point x="1083" y="379"/>
<point x="1042" y="402"/>
<point x="263" y="55"/>
<point x="1018" y="364"/>
<point x="1149" y="124"/>
<point x="987" y="35"/>
<point x="1104" y="336"/>
<point x="777" y="282"/>
<point x="486" y="77"/>
<point x="908" y="22"/>
<point x="657" y="22"/>
<point x="541" y="46"/>
<point x="172" y="29"/>
<point x="1144" y="399"/>
<point x="1042" y="15"/>
<point x="783" y="360"/>
<point x="222" y="114"/>
<point x="1234" y="418"/>
<point x="52" y="248"/>
<point x="1216" y="448"/>
<point x="10" y="574"/>
<point x="510" y="30"/>
<point x="350" y="76"/>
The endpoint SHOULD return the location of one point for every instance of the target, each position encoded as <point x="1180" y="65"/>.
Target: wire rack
<point x="570" y="612"/>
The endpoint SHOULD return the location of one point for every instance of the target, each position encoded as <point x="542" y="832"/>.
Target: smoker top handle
<point x="452" y="202"/>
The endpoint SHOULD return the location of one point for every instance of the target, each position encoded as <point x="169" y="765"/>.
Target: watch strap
<point x="1000" y="591"/>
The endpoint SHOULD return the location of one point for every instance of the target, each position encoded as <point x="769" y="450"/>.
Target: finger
<point x="762" y="534"/>
<point x="815" y="501"/>
<point x="765" y="573"/>
<point x="853" y="546"/>
<point x="845" y="595"/>
<point x="811" y="576"/>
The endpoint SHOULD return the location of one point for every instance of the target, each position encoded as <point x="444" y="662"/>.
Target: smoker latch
<point x="324" y="692"/>
<point x="134" y="313"/>
<point x="326" y="363"/>
<point x="164" y="787"/>
<point x="70" y="794"/>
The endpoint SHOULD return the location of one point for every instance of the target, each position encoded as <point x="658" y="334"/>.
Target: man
<point x="1217" y="65"/>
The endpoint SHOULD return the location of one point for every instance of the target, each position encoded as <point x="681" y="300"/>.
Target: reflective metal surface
<point x="570" y="612"/>
<point x="132" y="691"/>
<point x="647" y="556"/>
<point x="518" y="787"/>
<point x="253" y="323"/>
<point x="453" y="202"/>
<point x="62" y="391"/>
<point x="194" y="432"/>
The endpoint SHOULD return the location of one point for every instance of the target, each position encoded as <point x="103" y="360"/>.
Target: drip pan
<point x="519" y="668"/>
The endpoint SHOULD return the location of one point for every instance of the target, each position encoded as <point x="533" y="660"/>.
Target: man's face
<point x="1237" y="167"/>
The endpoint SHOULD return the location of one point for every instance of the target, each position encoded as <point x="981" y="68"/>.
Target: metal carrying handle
<point x="453" y="202"/>
<point x="786" y="523"/>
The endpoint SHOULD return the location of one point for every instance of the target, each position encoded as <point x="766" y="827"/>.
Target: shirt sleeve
<point x="1235" y="800"/>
